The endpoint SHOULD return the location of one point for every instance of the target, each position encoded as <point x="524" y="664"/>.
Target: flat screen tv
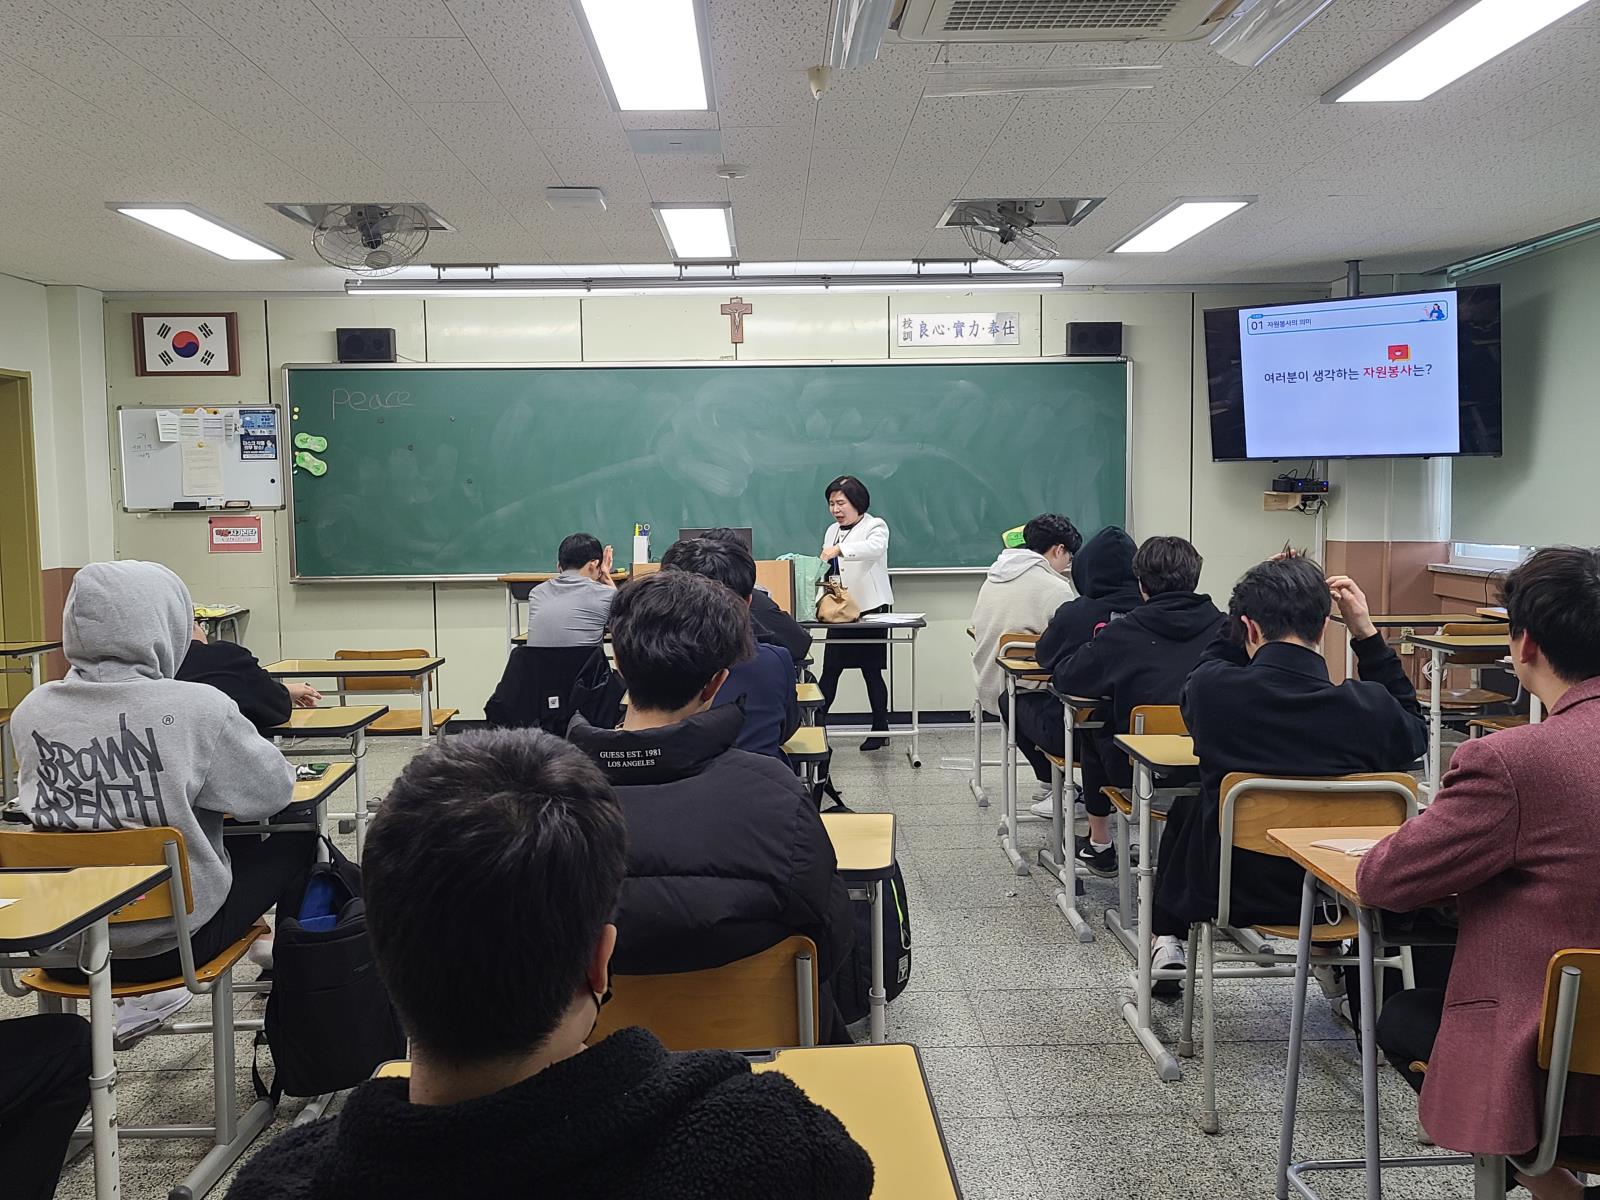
<point x="1408" y="375"/>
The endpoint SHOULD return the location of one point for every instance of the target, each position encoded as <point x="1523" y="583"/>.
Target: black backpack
<point x="329" y="1023"/>
<point x="852" y="983"/>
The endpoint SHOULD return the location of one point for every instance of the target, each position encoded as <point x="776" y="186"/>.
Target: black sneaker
<point x="1099" y="862"/>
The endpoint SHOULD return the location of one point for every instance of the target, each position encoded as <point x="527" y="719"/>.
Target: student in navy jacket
<point x="1142" y="658"/>
<point x="762" y="684"/>
<point x="1260" y="701"/>
<point x="769" y="621"/>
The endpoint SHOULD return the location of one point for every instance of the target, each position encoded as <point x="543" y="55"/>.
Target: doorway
<point x="21" y="601"/>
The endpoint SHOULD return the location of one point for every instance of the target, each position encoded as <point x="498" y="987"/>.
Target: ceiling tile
<point x="430" y="69"/>
<point x="391" y="18"/>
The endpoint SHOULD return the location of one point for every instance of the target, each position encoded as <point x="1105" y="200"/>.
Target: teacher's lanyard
<point x="836" y="567"/>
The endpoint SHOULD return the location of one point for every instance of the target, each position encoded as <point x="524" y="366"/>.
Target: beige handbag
<point x="836" y="606"/>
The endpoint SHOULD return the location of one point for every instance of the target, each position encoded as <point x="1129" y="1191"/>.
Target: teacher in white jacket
<point x="856" y="547"/>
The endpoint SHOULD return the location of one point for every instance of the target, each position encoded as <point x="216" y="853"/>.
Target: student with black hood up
<point x="1102" y="571"/>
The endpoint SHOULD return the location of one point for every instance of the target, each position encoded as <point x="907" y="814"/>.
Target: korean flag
<point x="186" y="345"/>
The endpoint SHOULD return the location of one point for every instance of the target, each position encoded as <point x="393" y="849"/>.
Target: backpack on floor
<point x="329" y="1023"/>
<point x="852" y="983"/>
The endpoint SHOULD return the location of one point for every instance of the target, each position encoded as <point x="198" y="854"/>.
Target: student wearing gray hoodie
<point x="1024" y="587"/>
<point x="121" y="743"/>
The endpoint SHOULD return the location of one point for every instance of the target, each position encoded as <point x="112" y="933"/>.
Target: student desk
<point x="1152" y="754"/>
<point x="1389" y="621"/>
<point x="1077" y="716"/>
<point x="310" y="800"/>
<point x="1014" y="669"/>
<point x="349" y="721"/>
<point x="518" y="585"/>
<point x="30" y="651"/>
<point x="1493" y="612"/>
<point x="1441" y="647"/>
<point x="808" y="750"/>
<point x="212" y="619"/>
<point x="53" y="907"/>
<point x="1333" y="872"/>
<point x="809" y="697"/>
<point x="880" y="1095"/>
<point x="863" y="845"/>
<point x="421" y="669"/>
<point x="911" y="624"/>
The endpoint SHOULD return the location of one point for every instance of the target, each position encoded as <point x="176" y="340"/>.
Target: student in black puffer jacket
<point x="726" y="853"/>
<point x="490" y="874"/>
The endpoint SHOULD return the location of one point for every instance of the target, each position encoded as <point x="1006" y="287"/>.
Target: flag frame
<point x="146" y="326"/>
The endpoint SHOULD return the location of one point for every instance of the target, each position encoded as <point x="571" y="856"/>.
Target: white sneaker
<point x="1168" y="952"/>
<point x="1043" y="808"/>
<point x="260" y="953"/>
<point x="140" y="1015"/>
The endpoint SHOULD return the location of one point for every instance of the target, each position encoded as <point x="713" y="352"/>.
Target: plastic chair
<point x="768" y="999"/>
<point x="230" y="1132"/>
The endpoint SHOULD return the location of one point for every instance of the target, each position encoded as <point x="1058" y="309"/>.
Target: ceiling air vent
<point x="1055" y="20"/>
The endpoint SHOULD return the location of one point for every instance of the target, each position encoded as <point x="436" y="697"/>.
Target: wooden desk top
<point x="1493" y="612"/>
<point x="1429" y="620"/>
<point x="808" y="693"/>
<point x="313" y="791"/>
<point x="1022" y="668"/>
<point x="1460" y="641"/>
<point x="1336" y="870"/>
<point x="863" y="843"/>
<point x="881" y="1097"/>
<point x="27" y="649"/>
<point x="1160" y="751"/>
<point x="354" y="668"/>
<point x="808" y="742"/>
<point x="52" y="906"/>
<point x="337" y="720"/>
<point x="888" y="620"/>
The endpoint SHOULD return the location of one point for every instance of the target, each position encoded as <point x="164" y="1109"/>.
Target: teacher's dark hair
<point x="854" y="491"/>
<point x="1554" y="598"/>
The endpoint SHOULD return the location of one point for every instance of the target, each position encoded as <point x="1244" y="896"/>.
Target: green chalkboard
<point x="442" y="471"/>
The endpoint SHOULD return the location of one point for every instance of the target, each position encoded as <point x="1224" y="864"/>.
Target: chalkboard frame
<point x="286" y="404"/>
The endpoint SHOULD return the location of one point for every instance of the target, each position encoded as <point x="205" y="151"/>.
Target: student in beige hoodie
<point x="1024" y="588"/>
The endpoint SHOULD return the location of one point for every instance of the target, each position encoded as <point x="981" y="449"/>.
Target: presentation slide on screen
<point x="1377" y="375"/>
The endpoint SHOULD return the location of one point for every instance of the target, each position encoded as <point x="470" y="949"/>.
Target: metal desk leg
<point x="1008" y="823"/>
<point x="1349" y="654"/>
<point x="1435" y="722"/>
<point x="5" y="765"/>
<point x="1488" y="1177"/>
<point x="916" y="721"/>
<point x="1369" y="1045"/>
<point x="1297" y="1025"/>
<point x="878" y="996"/>
<point x="103" y="1070"/>
<point x="511" y="617"/>
<point x="427" y="708"/>
<point x="1137" y="1011"/>
<point x="976" y="782"/>
<point x="358" y="748"/>
<point x="37" y="663"/>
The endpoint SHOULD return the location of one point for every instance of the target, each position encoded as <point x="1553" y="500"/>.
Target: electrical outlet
<point x="1406" y="634"/>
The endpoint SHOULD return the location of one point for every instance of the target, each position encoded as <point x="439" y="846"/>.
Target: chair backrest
<point x="777" y="576"/>
<point x="536" y="687"/>
<point x="745" y="1005"/>
<point x="1474" y="629"/>
<point x="1585" y="1055"/>
<point x="1477" y="658"/>
<point x="1017" y="643"/>
<point x="39" y="849"/>
<point x="388" y="684"/>
<point x="1157" y="718"/>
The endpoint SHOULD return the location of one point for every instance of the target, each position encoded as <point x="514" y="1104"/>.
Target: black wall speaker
<point x="365" y="345"/>
<point x="1094" y="339"/>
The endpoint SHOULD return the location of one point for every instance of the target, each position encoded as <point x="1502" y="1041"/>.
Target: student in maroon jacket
<point x="1512" y="836"/>
<point x="1260" y="701"/>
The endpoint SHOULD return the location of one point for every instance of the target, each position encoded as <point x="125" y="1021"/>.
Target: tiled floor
<point x="1041" y="1088"/>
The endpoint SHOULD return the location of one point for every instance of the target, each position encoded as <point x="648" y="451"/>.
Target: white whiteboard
<point x="152" y="470"/>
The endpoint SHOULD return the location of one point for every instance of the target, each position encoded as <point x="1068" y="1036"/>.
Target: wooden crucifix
<point x="736" y="310"/>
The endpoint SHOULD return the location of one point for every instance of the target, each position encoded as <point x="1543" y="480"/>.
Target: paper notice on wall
<point x="166" y="425"/>
<point x="202" y="467"/>
<point x="188" y="426"/>
<point x="213" y="427"/>
<point x="230" y="422"/>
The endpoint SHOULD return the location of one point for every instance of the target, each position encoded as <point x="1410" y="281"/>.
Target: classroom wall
<point x="55" y="334"/>
<point x="1177" y="489"/>
<point x="1536" y="494"/>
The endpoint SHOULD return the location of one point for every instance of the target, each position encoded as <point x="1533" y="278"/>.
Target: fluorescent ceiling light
<point x="184" y="222"/>
<point x="1461" y="39"/>
<point x="674" y="285"/>
<point x="652" y="53"/>
<point x="1179" y="223"/>
<point x="983" y="79"/>
<point x="697" y="232"/>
